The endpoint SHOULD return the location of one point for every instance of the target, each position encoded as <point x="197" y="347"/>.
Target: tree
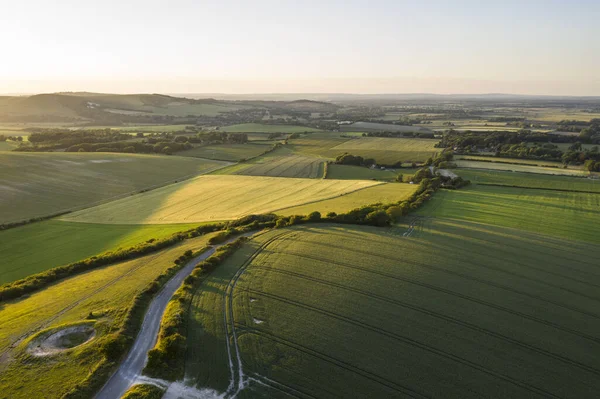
<point x="314" y="217"/>
<point x="167" y="150"/>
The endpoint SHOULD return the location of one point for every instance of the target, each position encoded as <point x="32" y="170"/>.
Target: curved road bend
<point x="131" y="368"/>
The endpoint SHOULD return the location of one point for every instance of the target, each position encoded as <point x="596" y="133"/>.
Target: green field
<point x="40" y="184"/>
<point x="566" y="183"/>
<point x="534" y="162"/>
<point x="382" y="193"/>
<point x="107" y="293"/>
<point x="263" y="128"/>
<point x="348" y="311"/>
<point x="574" y="216"/>
<point x="359" y="173"/>
<point x="211" y="198"/>
<point x="520" y="168"/>
<point x="228" y="152"/>
<point x="37" y="247"/>
<point x="281" y="163"/>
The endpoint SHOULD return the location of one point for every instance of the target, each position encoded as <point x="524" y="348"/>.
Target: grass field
<point x="520" y="168"/>
<point x="388" y="150"/>
<point x="317" y="144"/>
<point x="534" y="162"/>
<point x="210" y="198"/>
<point x="362" y="312"/>
<point x="263" y="128"/>
<point x="37" y="247"/>
<point x="504" y="178"/>
<point x="382" y="193"/>
<point x="40" y="184"/>
<point x="106" y="292"/>
<point x="227" y="152"/>
<point x="574" y="216"/>
<point x="280" y="163"/>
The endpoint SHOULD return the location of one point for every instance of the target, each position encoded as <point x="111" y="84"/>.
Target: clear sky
<point x="352" y="46"/>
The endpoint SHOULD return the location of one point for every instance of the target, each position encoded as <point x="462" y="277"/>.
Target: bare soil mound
<point x="61" y="340"/>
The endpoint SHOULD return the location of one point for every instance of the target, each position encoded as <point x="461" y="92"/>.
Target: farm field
<point x="519" y="168"/>
<point x="359" y="173"/>
<point x="227" y="152"/>
<point x="317" y="144"/>
<point x="573" y="216"/>
<point x="37" y="247"/>
<point x="98" y="298"/>
<point x="565" y="183"/>
<point x="382" y="193"/>
<point x="348" y="311"/>
<point x="493" y="159"/>
<point x="216" y="197"/>
<point x="264" y="128"/>
<point x="388" y="150"/>
<point x="41" y="184"/>
<point x="283" y="163"/>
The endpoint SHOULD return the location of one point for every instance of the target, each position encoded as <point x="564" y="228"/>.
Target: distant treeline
<point x="422" y="135"/>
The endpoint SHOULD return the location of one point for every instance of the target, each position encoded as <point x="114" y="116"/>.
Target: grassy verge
<point x="144" y="391"/>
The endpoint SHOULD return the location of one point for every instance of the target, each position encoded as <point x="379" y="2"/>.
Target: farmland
<point x="99" y="298"/>
<point x="47" y="183"/>
<point x="37" y="247"/>
<point x="227" y="152"/>
<point x="504" y="178"/>
<point x="359" y="172"/>
<point x="388" y="150"/>
<point x="568" y="215"/>
<point x="382" y="193"/>
<point x="282" y="163"/>
<point x="210" y="198"/>
<point x="264" y="128"/>
<point x="520" y="168"/>
<point x="523" y="323"/>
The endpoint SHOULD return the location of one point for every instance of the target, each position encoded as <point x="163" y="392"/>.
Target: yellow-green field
<point x="216" y="198"/>
<point x="41" y="184"/>
<point x="389" y="150"/>
<point x="383" y="193"/>
<point x="100" y="297"/>
<point x="264" y="128"/>
<point x="227" y="152"/>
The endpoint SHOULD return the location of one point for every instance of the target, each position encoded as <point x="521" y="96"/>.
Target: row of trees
<point x="357" y="160"/>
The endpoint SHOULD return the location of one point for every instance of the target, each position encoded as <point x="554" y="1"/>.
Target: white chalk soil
<point x="61" y="340"/>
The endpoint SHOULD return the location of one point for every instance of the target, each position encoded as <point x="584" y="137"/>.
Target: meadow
<point x="568" y="215"/>
<point x="360" y="172"/>
<point x="216" y="197"/>
<point x="382" y="193"/>
<point x="227" y="152"/>
<point x="282" y="163"/>
<point x="37" y="247"/>
<point x="264" y="128"/>
<point x="99" y="298"/>
<point x="348" y="311"/>
<point x="41" y="184"/>
<point x="529" y="180"/>
<point x="534" y="162"/>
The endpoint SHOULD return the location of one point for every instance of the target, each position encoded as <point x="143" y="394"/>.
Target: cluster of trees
<point x="222" y="138"/>
<point x="10" y="138"/>
<point x="592" y="165"/>
<point x="357" y="160"/>
<point x="62" y="138"/>
<point x="161" y="147"/>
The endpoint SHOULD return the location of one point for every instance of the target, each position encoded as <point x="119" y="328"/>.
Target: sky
<point x="279" y="46"/>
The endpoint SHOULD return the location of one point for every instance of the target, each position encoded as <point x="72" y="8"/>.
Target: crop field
<point x="359" y="173"/>
<point x="492" y="159"/>
<point x="264" y="128"/>
<point x="285" y="166"/>
<point x="41" y="184"/>
<point x="98" y="298"/>
<point x="388" y="150"/>
<point x="318" y="144"/>
<point x="382" y="193"/>
<point x="499" y="177"/>
<point x="227" y="152"/>
<point x="348" y="311"/>
<point x="573" y="216"/>
<point x="37" y="247"/>
<point x="211" y="198"/>
<point x="520" y="168"/>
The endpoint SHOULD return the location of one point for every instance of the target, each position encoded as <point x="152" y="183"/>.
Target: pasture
<point x="216" y="197"/>
<point x="282" y="163"/>
<point x="529" y="180"/>
<point x="568" y="215"/>
<point x="493" y="159"/>
<point x="359" y="173"/>
<point x="264" y="128"/>
<point x="41" y="184"/>
<point x="99" y="298"/>
<point x="382" y="193"/>
<point x="348" y="311"/>
<point x="37" y="247"/>
<point x="227" y="152"/>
